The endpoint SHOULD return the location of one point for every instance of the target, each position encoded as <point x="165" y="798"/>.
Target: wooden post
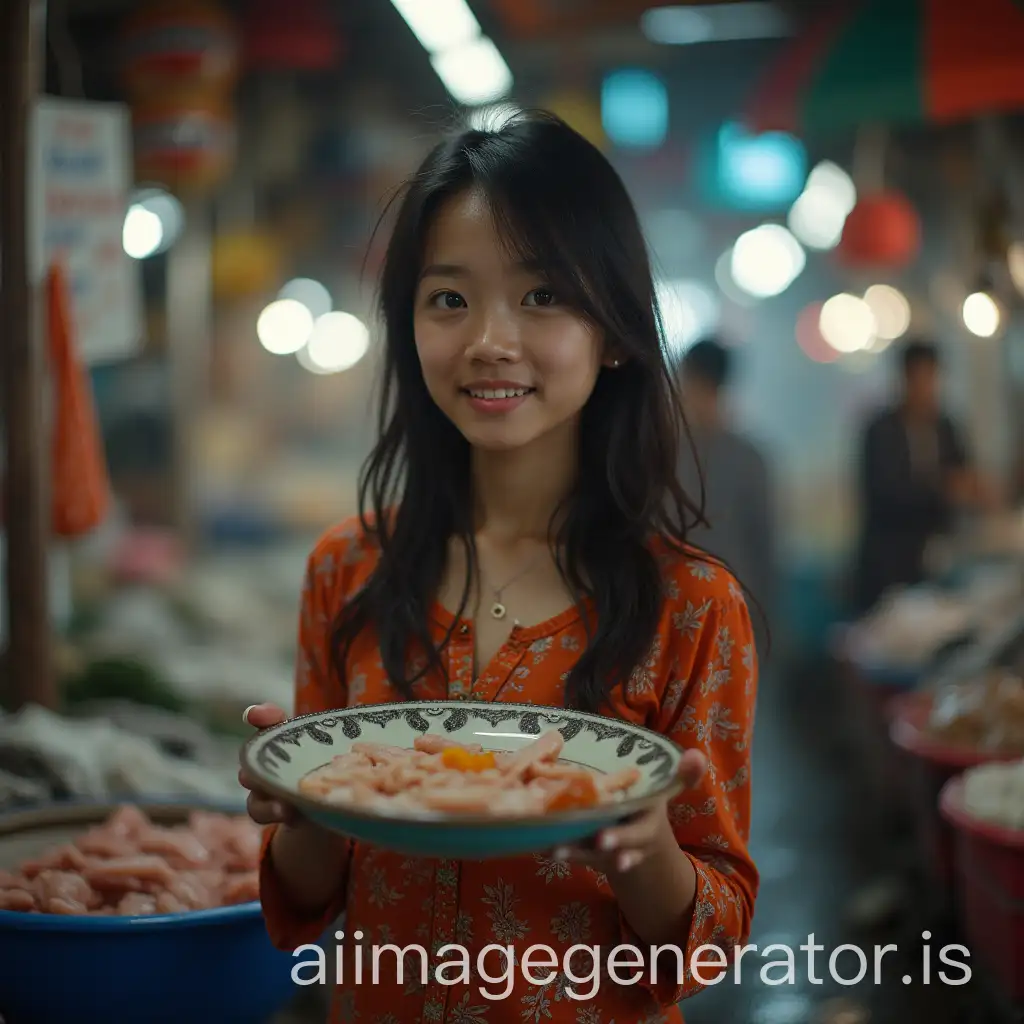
<point x="26" y="469"/>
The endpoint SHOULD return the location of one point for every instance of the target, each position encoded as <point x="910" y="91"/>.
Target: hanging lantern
<point x="882" y="231"/>
<point x="299" y="35"/>
<point x="183" y="141"/>
<point x="173" y="44"/>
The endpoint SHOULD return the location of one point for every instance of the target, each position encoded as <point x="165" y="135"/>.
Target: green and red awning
<point x="895" y="62"/>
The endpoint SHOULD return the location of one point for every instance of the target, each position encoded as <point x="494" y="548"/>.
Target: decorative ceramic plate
<point x="281" y="756"/>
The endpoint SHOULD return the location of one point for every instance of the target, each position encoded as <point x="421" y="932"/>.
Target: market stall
<point x="935" y="677"/>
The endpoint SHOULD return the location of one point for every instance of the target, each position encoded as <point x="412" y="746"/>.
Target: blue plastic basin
<point x="216" y="966"/>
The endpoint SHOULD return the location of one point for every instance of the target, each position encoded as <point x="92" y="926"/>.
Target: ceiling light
<point x="439" y="24"/>
<point x="474" y="73"/>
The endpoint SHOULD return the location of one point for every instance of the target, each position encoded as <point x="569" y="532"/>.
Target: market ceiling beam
<point x="29" y="663"/>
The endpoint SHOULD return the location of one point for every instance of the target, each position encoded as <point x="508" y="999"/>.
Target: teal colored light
<point x="634" y="109"/>
<point x="757" y="172"/>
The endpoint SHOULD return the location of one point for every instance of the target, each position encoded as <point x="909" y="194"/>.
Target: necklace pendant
<point x="498" y="610"/>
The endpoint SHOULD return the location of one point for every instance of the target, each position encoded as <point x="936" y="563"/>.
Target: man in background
<point x="738" y="498"/>
<point x="914" y="475"/>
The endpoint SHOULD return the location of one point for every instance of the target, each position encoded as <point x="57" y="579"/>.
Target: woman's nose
<point x="496" y="337"/>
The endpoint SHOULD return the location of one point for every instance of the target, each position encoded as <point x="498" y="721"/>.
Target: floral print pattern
<point x="697" y="685"/>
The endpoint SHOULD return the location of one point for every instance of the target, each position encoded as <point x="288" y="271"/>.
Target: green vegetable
<point x="123" y="679"/>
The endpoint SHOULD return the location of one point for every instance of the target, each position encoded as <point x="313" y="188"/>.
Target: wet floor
<point x="822" y="853"/>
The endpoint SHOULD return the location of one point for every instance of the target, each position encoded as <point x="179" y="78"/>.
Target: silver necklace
<point x="498" y="609"/>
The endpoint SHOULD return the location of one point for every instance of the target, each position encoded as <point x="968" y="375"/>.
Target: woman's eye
<point x="447" y="300"/>
<point x="540" y="297"/>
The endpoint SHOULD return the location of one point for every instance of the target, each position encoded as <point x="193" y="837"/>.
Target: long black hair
<point x="559" y="203"/>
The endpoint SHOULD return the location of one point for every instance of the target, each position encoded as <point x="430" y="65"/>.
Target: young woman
<point x="524" y="539"/>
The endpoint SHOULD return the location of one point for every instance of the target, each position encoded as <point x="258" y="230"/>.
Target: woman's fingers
<point x="265" y="810"/>
<point x="261" y="807"/>
<point x="263" y="716"/>
<point x="692" y="768"/>
<point x="637" y="833"/>
<point x="577" y="854"/>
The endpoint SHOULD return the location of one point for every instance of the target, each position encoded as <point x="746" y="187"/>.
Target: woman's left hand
<point x="618" y="850"/>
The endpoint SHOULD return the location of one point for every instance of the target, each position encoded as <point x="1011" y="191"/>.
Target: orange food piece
<point x="466" y="761"/>
<point x="578" y="792"/>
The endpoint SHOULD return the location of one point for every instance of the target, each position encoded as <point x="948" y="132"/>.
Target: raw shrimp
<point x="130" y="866"/>
<point x="439" y="775"/>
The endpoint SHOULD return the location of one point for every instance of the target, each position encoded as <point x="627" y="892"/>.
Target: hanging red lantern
<point x="184" y="141"/>
<point x="172" y="44"/>
<point x="296" y="36"/>
<point x="882" y="231"/>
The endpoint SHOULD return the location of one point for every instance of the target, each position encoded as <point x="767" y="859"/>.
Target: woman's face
<point x="501" y="355"/>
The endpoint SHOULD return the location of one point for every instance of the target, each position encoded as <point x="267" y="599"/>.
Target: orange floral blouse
<point x="697" y="686"/>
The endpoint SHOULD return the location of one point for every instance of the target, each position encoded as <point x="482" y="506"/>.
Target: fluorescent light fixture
<point x="714" y="23"/>
<point x="475" y="73"/>
<point x="439" y="24"/>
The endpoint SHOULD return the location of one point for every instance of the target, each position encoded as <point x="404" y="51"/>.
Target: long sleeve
<point x="708" y="704"/>
<point x="317" y="688"/>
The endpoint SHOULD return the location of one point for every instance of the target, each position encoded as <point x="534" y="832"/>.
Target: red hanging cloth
<point x="80" y="482"/>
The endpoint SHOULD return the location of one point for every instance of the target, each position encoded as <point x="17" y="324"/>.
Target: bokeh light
<point x="981" y="314"/>
<point x="338" y="341"/>
<point x="284" y="327"/>
<point x="847" y="323"/>
<point x="818" y="215"/>
<point x="1015" y="265"/>
<point x="152" y="224"/>
<point x="766" y="261"/>
<point x="142" y="234"/>
<point x="311" y="294"/>
<point x="892" y="314"/>
<point x="634" y="109"/>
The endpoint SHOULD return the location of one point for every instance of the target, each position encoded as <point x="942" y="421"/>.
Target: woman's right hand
<point x="309" y="861"/>
<point x="263" y="808"/>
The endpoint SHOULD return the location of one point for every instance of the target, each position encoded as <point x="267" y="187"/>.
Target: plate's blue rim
<point x="13" y="920"/>
<point x="623" y="808"/>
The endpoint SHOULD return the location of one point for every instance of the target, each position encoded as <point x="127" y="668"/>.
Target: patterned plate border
<point x="267" y="753"/>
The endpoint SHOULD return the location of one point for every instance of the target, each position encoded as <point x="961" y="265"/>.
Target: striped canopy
<point x="895" y="62"/>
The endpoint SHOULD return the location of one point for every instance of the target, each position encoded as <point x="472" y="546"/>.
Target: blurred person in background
<point x="915" y="474"/>
<point x="738" y="492"/>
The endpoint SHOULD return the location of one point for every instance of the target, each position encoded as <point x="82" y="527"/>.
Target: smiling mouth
<point x="493" y="394"/>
